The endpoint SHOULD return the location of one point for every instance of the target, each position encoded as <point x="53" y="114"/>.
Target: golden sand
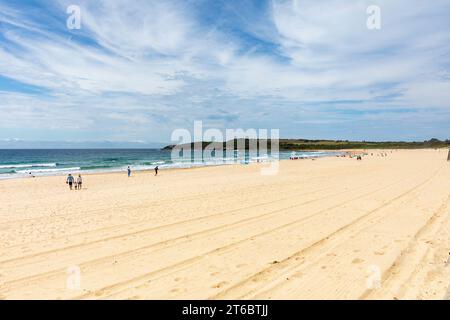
<point x="332" y="228"/>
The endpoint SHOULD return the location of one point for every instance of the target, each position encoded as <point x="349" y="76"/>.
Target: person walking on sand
<point x="70" y="180"/>
<point x="79" y="182"/>
<point x="129" y="171"/>
<point x="156" y="170"/>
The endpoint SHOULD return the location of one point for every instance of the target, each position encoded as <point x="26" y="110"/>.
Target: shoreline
<point x="347" y="152"/>
<point x="143" y="171"/>
<point x="25" y="174"/>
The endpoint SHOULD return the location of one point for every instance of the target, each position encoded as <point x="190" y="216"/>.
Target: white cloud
<point x="138" y="64"/>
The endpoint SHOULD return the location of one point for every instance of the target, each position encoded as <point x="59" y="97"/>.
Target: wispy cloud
<point x="138" y="69"/>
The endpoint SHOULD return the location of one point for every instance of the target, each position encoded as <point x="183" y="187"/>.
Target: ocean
<point x="15" y="163"/>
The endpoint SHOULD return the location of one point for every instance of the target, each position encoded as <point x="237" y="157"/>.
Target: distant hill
<point x="305" y="144"/>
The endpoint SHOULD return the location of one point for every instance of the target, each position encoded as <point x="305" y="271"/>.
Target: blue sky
<point x="137" y="70"/>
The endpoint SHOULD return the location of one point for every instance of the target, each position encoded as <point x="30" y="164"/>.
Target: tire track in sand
<point x="289" y="265"/>
<point x="411" y="254"/>
<point x="157" y="228"/>
<point x="115" y="288"/>
<point x="143" y="222"/>
<point x="176" y="241"/>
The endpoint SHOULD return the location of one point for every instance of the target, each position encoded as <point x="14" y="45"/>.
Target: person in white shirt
<point x="79" y="181"/>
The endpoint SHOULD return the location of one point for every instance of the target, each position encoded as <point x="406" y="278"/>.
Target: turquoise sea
<point x="21" y="163"/>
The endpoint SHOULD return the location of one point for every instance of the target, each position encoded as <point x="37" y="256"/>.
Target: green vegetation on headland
<point x="304" y="144"/>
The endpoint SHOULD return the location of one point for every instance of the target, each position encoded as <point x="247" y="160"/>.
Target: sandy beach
<point x="331" y="228"/>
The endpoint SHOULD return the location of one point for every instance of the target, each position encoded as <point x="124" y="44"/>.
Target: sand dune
<point x="332" y="228"/>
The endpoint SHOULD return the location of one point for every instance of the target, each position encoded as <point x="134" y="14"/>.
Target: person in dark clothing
<point x="156" y="170"/>
<point x="70" y="180"/>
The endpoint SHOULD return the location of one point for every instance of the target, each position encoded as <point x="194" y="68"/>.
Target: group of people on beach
<point x="129" y="171"/>
<point x="78" y="183"/>
<point x="72" y="183"/>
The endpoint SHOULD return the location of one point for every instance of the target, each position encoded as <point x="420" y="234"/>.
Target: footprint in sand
<point x="213" y="274"/>
<point x="220" y="285"/>
<point x="331" y="255"/>
<point x="357" y="260"/>
<point x="98" y="293"/>
<point x="379" y="253"/>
